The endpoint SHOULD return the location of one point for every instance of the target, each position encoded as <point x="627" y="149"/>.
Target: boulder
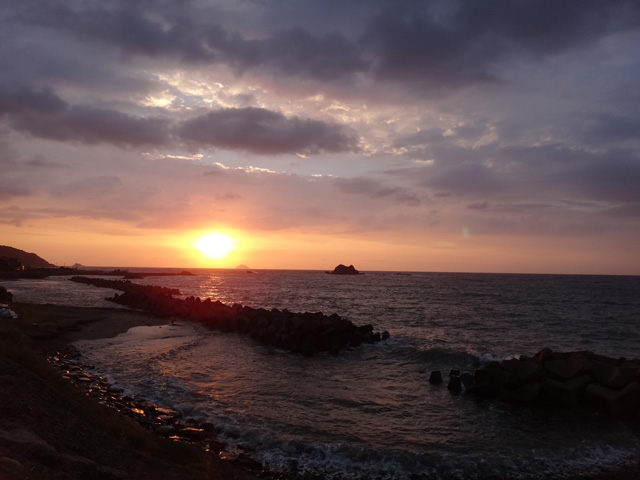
<point x="603" y="359"/>
<point x="192" y="433"/>
<point x="164" y="430"/>
<point x="567" y="367"/>
<point x="455" y="385"/>
<point x="630" y="370"/>
<point x="543" y="356"/>
<point x="435" y="377"/>
<point x="522" y="371"/>
<point x="608" y="375"/>
<point x="567" y="392"/>
<point x="467" y="380"/>
<point x="619" y="403"/>
<point x="524" y="394"/>
<point x="494" y="376"/>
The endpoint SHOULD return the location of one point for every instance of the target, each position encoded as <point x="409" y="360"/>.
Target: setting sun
<point x="215" y="245"/>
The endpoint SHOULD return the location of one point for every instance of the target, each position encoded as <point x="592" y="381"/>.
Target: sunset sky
<point x="477" y="136"/>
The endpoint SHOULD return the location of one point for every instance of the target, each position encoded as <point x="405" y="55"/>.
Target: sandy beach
<point x="51" y="430"/>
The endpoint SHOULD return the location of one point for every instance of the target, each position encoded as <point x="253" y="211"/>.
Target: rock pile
<point x="566" y="378"/>
<point x="306" y="333"/>
<point x="163" y="421"/>
<point x="127" y="286"/>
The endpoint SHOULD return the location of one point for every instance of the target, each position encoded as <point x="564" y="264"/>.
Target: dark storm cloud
<point x="463" y="45"/>
<point x="439" y="45"/>
<point x="296" y="52"/>
<point x="167" y="32"/>
<point x="607" y="128"/>
<point x="20" y="100"/>
<point x="43" y="114"/>
<point x="92" y="125"/>
<point x="265" y="132"/>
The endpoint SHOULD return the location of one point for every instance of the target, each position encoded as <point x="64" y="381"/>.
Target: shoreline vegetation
<point x="62" y="421"/>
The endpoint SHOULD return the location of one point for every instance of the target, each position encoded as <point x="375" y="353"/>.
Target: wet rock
<point x="164" y="430"/>
<point x="208" y="428"/>
<point x="166" y="419"/>
<point x="567" y="392"/>
<point x="492" y="376"/>
<point x="467" y="380"/>
<point x="168" y="412"/>
<point x="522" y="371"/>
<point x="608" y="375"/>
<point x="619" y="403"/>
<point x="455" y="385"/>
<point x="543" y="356"/>
<point x="435" y="377"/>
<point x="245" y="461"/>
<point x="523" y="394"/>
<point x="193" y="433"/>
<point x="567" y="368"/>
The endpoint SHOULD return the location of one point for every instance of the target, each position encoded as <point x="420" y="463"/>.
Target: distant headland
<point x="16" y="259"/>
<point x="16" y="263"/>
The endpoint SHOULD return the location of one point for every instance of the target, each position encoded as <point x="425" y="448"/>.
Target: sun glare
<point x="215" y="246"/>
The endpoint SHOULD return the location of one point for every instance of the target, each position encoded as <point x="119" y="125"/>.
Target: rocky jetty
<point x="567" y="379"/>
<point x="344" y="270"/>
<point x="306" y="333"/>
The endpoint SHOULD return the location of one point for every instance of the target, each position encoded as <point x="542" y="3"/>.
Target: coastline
<point x="50" y="429"/>
<point x="74" y="436"/>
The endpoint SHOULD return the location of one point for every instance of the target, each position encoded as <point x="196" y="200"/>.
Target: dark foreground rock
<point x="306" y="333"/>
<point x="566" y="379"/>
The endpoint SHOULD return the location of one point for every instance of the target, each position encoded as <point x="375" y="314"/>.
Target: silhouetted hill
<point x="30" y="260"/>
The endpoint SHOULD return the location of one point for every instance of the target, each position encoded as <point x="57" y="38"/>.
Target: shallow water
<point x="370" y="412"/>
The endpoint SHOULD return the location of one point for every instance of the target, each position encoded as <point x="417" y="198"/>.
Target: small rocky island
<point x="344" y="270"/>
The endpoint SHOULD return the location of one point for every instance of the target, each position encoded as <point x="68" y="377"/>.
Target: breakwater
<point x="305" y="333"/>
<point x="567" y="379"/>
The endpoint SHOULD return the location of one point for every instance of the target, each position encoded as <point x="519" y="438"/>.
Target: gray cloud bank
<point x="256" y="130"/>
<point x="425" y="43"/>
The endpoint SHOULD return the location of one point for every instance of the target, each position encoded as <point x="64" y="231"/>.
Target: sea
<point x="370" y="412"/>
